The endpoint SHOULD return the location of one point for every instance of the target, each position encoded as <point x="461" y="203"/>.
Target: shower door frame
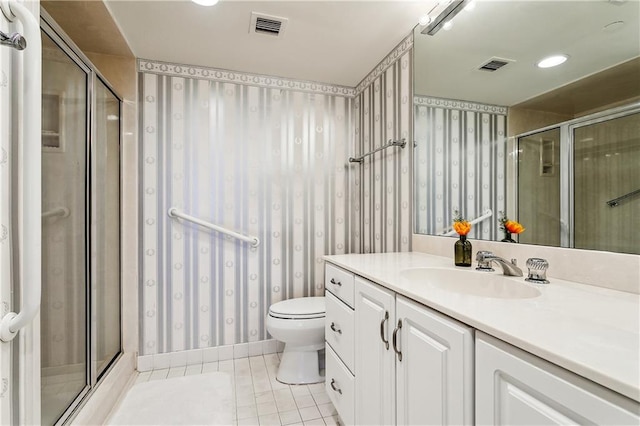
<point x="566" y="163"/>
<point x="64" y="42"/>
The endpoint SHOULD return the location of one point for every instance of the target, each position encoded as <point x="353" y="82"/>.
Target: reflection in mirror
<point x="468" y="119"/>
<point x="606" y="158"/>
<point x="539" y="187"/>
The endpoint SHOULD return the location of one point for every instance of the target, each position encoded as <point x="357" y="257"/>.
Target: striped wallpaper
<point x="384" y="112"/>
<point x="267" y="157"/>
<point x="460" y="160"/>
<point x="256" y="158"/>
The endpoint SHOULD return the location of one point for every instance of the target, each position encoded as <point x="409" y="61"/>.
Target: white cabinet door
<point x="374" y="360"/>
<point x="516" y="388"/>
<point x="435" y="374"/>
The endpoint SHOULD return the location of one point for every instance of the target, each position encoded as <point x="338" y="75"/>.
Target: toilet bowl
<point x="299" y="323"/>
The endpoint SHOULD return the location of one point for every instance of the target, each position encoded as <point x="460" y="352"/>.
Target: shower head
<point x="14" y="40"/>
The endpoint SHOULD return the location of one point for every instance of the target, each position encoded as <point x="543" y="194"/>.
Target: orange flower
<point x="513" y="227"/>
<point x="462" y="227"/>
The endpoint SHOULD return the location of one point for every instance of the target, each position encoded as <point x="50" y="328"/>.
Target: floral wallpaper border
<point x="459" y="105"/>
<point x="216" y="74"/>
<point x="402" y="47"/>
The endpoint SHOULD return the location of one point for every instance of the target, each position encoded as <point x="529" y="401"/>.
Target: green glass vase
<point x="507" y="238"/>
<point x="462" y="251"/>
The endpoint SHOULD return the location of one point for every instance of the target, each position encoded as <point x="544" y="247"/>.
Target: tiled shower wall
<point x="384" y="112"/>
<point x="262" y="156"/>
<point x="460" y="152"/>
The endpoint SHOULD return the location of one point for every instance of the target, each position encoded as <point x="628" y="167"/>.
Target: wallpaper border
<point x="404" y="46"/>
<point x="218" y="74"/>
<point x="461" y="105"/>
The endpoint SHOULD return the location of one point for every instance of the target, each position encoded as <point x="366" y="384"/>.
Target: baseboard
<point x="205" y="355"/>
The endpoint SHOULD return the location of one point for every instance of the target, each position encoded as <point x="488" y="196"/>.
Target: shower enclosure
<point x="579" y="182"/>
<point x="81" y="303"/>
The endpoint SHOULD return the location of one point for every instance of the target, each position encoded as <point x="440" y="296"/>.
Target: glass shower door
<point x="606" y="158"/>
<point x="106" y="226"/>
<point x="63" y="340"/>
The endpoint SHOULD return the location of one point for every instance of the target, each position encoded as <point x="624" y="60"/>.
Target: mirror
<point x="487" y="119"/>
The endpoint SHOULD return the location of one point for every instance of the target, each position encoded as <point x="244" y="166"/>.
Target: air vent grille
<point x="267" y="25"/>
<point x="494" y="64"/>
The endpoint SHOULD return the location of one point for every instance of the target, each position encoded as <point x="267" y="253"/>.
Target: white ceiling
<point x="525" y="31"/>
<point x="336" y="42"/>
<point x="339" y="42"/>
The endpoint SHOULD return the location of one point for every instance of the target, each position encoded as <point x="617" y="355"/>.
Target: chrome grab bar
<point x="478" y="219"/>
<point x="60" y="211"/>
<point x="14" y="40"/>
<point x="30" y="245"/>
<point x="616" y="201"/>
<point x="401" y="143"/>
<point x="174" y="212"/>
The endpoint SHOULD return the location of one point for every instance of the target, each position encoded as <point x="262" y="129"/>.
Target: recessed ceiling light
<point x="205" y="2"/>
<point x="552" y="61"/>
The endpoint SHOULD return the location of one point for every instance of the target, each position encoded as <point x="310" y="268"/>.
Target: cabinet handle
<point x="334" y="282"/>
<point x="386" y="318"/>
<point x="395" y="341"/>
<point x="333" y="327"/>
<point x="334" y="387"/>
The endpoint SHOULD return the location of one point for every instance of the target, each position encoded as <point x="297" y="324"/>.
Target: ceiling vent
<point x="494" y="64"/>
<point x="267" y="25"/>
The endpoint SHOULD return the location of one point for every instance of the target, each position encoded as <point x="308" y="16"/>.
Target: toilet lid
<point x="299" y="308"/>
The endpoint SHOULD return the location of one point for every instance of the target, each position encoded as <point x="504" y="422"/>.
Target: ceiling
<point x="336" y="42"/>
<point x="447" y="63"/>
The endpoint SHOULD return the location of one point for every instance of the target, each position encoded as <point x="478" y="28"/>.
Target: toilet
<point x="299" y="323"/>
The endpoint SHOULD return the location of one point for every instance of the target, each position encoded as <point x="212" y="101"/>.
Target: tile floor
<point x="259" y="398"/>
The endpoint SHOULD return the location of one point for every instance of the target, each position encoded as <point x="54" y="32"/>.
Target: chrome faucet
<point x="484" y="259"/>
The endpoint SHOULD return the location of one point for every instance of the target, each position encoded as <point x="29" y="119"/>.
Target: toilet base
<point x="300" y="365"/>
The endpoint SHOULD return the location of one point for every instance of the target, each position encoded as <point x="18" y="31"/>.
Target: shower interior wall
<point x="266" y="157"/>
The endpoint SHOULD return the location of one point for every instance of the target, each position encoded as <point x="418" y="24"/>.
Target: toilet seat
<point x="300" y="308"/>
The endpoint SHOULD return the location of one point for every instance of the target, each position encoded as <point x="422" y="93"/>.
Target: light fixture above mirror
<point x="442" y="14"/>
<point x="205" y="2"/>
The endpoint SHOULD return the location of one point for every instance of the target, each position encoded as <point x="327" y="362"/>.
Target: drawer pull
<point x="334" y="282"/>
<point x="386" y="318"/>
<point x="395" y="341"/>
<point x="334" y="387"/>
<point x="333" y="327"/>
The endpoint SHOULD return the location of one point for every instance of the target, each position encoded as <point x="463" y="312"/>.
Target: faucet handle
<point x="483" y="257"/>
<point x="537" y="270"/>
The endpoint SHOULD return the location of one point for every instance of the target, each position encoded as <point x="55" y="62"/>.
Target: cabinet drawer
<point x="339" y="282"/>
<point x="340" y="385"/>
<point x="338" y="329"/>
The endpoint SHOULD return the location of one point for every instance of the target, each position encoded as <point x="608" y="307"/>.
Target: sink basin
<point x="472" y="282"/>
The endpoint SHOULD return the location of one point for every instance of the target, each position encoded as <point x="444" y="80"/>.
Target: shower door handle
<point x="30" y="245"/>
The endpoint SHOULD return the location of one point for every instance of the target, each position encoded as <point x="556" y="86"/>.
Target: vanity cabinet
<point x="412" y="364"/>
<point x="515" y="387"/>
<point x="340" y="341"/>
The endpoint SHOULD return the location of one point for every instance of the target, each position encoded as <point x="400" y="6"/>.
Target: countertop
<point x="591" y="331"/>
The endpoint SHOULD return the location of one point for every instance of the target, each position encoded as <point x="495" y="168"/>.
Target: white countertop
<point x="592" y="331"/>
